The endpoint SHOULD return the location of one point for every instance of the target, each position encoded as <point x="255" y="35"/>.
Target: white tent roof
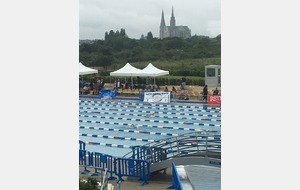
<point x="83" y="70"/>
<point x="127" y="70"/>
<point x="152" y="71"/>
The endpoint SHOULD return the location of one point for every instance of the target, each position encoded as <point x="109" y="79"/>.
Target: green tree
<point x="149" y="36"/>
<point x="174" y="43"/>
<point x="89" y="184"/>
<point x="123" y="33"/>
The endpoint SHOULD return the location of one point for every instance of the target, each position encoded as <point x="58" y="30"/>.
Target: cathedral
<point x="173" y="30"/>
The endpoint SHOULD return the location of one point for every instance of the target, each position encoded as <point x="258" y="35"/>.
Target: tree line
<point x="173" y="54"/>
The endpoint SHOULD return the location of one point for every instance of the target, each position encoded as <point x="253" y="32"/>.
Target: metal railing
<point x="207" y="144"/>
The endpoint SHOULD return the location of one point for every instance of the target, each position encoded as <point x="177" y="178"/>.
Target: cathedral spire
<point x="162" y="22"/>
<point x="172" y="21"/>
<point x="172" y="12"/>
<point x="163" y="31"/>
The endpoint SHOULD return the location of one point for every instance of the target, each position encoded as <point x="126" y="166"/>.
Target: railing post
<point x="178" y="153"/>
<point x="196" y="135"/>
<point x="206" y="145"/>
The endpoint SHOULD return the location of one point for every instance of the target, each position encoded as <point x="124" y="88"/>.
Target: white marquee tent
<point x="83" y="70"/>
<point x="149" y="71"/>
<point x="152" y="71"/>
<point x="127" y="70"/>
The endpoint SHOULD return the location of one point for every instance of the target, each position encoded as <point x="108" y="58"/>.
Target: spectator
<point x="118" y="84"/>
<point x="91" y="86"/>
<point x="183" y="83"/>
<point x="174" y="92"/>
<point x="216" y="91"/>
<point x="166" y="89"/>
<point x="205" y="93"/>
<point x="182" y="95"/>
<point x="86" y="89"/>
<point x="101" y="84"/>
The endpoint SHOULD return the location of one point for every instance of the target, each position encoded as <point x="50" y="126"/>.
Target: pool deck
<point x="192" y="91"/>
<point x="159" y="181"/>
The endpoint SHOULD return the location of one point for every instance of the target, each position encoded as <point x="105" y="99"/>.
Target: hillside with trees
<point x="179" y="56"/>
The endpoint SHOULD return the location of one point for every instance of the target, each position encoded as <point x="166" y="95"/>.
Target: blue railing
<point x="137" y="162"/>
<point x="118" y="166"/>
<point x="133" y="168"/>
<point x="202" y="143"/>
<point x="177" y="185"/>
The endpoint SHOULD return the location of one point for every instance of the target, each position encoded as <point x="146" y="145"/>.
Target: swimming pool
<point x="113" y="126"/>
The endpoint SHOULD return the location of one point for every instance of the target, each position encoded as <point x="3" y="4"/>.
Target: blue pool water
<point x="112" y="126"/>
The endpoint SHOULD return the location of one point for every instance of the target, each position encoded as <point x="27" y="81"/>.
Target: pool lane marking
<point x="139" y="139"/>
<point x="143" y="107"/>
<point x="149" y="126"/>
<point x="143" y="115"/>
<point x="108" y="144"/>
<point x="129" y="131"/>
<point x="152" y="104"/>
<point x="151" y="120"/>
<point x="116" y="137"/>
<point x="142" y="111"/>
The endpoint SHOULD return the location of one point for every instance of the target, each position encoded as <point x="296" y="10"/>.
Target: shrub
<point x="89" y="184"/>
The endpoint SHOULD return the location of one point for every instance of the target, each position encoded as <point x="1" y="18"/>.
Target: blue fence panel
<point x="141" y="152"/>
<point x="83" y="160"/>
<point x="102" y="162"/>
<point x="153" y="154"/>
<point x="176" y="180"/>
<point x="81" y="145"/>
<point x="132" y="168"/>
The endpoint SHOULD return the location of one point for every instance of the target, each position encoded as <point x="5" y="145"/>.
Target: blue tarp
<point x="107" y="94"/>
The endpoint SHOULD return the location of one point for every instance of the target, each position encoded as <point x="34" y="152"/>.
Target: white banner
<point x="157" y="97"/>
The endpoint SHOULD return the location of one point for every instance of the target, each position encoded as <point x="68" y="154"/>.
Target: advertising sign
<point x="214" y="99"/>
<point x="157" y="97"/>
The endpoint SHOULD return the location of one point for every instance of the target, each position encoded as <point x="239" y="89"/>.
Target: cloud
<point x="138" y="17"/>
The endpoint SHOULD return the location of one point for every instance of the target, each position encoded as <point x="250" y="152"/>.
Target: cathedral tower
<point x="173" y="30"/>
<point x="163" y="32"/>
<point x="172" y="25"/>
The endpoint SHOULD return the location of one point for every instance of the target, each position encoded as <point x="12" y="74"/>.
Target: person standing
<point x="118" y="84"/>
<point x="205" y="93"/>
<point x="183" y="82"/>
<point x="174" y="92"/>
<point x="102" y="84"/>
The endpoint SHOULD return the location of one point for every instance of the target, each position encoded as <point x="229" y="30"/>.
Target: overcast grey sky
<point x="139" y="17"/>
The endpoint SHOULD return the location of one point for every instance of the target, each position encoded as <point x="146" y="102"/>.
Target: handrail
<point x="204" y="143"/>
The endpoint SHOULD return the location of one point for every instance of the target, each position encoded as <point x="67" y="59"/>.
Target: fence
<point x="137" y="162"/>
<point x="119" y="166"/>
<point x="175" y="179"/>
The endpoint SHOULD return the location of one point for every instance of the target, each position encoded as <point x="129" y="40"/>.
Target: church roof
<point x="180" y="28"/>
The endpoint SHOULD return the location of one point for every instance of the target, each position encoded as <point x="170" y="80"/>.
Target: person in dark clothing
<point x="216" y="91"/>
<point x="205" y="93"/>
<point x="102" y="84"/>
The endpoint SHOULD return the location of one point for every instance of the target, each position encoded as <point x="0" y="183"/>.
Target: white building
<point x="213" y="75"/>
